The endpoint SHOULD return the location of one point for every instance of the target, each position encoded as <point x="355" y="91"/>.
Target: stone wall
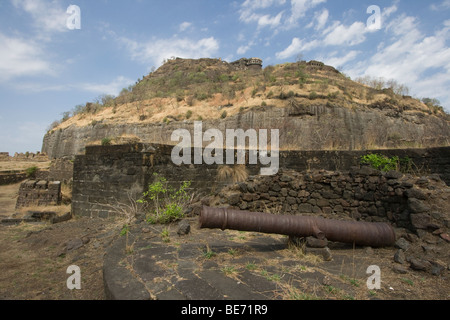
<point x="61" y="170"/>
<point x="107" y="175"/>
<point x="40" y="193"/>
<point x="11" y="177"/>
<point x="425" y="161"/>
<point x="4" y="156"/>
<point x="361" y="194"/>
<point x="30" y="156"/>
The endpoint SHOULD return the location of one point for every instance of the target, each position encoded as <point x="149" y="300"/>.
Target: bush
<point x="164" y="203"/>
<point x="106" y="141"/>
<point x="188" y="114"/>
<point x="313" y="95"/>
<point x="31" y="172"/>
<point x="380" y="162"/>
<point x="223" y="115"/>
<point x="200" y="96"/>
<point x="333" y="95"/>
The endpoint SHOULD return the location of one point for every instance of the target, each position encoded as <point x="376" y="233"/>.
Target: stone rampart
<point x="107" y="175"/>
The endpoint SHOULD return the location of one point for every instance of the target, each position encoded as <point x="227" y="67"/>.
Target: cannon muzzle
<point x="374" y="234"/>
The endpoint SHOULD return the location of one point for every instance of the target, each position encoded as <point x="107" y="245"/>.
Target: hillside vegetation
<point x="184" y="89"/>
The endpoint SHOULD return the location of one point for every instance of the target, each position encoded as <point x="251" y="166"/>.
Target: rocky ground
<point x="34" y="258"/>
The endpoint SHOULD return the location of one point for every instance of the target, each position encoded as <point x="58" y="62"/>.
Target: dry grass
<point x="237" y="173"/>
<point x="59" y="210"/>
<point x="23" y="165"/>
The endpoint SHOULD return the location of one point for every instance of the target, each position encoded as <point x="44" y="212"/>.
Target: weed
<point x="408" y="281"/>
<point x="31" y="172"/>
<point x="106" y="141"/>
<point x="165" y="235"/>
<point x="251" y="266"/>
<point x="228" y="270"/>
<point x="380" y="162"/>
<point x="208" y="254"/>
<point x="167" y="204"/>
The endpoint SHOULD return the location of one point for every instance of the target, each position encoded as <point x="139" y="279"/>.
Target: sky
<point x="56" y="54"/>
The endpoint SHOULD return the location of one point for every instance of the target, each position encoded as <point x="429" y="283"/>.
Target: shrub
<point x="188" y="114"/>
<point x="224" y="78"/>
<point x="223" y="115"/>
<point x="106" y="141"/>
<point x="333" y="95"/>
<point x="313" y="95"/>
<point x="31" y="172"/>
<point x="284" y="96"/>
<point x="380" y="162"/>
<point x="164" y="203"/>
<point x="201" y="96"/>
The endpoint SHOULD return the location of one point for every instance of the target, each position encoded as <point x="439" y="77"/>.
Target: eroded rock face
<point x="303" y="128"/>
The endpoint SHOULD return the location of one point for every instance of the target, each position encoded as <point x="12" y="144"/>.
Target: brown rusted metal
<point x="373" y="234"/>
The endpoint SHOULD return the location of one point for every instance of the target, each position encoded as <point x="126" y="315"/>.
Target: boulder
<point x="184" y="227"/>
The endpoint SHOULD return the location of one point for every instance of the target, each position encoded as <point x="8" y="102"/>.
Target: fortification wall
<point x="361" y="194"/>
<point x="107" y="175"/>
<point x="11" y="177"/>
<point x="40" y="193"/>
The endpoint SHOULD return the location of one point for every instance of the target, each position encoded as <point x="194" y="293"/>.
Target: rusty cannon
<point x="374" y="234"/>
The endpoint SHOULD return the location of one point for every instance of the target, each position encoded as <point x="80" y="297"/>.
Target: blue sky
<point x="47" y="68"/>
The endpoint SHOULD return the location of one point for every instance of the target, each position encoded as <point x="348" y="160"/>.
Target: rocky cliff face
<point x="301" y="128"/>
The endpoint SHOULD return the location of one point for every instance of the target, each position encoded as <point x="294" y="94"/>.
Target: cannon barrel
<point x="373" y="234"/>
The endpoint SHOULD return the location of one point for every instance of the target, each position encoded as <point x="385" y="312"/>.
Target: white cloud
<point x="349" y="35"/>
<point x="21" y="57"/>
<point x="297" y="46"/>
<point x="409" y="57"/>
<point x="340" y="61"/>
<point x="249" y="14"/>
<point x="251" y="11"/>
<point x="48" y="16"/>
<point x="269" y="21"/>
<point x="387" y="12"/>
<point x="157" y="50"/>
<point x="294" y="48"/>
<point x="113" y="88"/>
<point x="184" y="26"/>
<point x="242" y="50"/>
<point x="248" y="8"/>
<point x="299" y="9"/>
<point x="322" y="19"/>
<point x="442" y="6"/>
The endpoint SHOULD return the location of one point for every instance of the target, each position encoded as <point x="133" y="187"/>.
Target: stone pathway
<point x="156" y="263"/>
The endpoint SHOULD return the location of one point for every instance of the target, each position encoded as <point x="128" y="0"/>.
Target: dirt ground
<point x="34" y="259"/>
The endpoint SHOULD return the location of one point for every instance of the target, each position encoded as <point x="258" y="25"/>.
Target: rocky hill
<point x="313" y="105"/>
